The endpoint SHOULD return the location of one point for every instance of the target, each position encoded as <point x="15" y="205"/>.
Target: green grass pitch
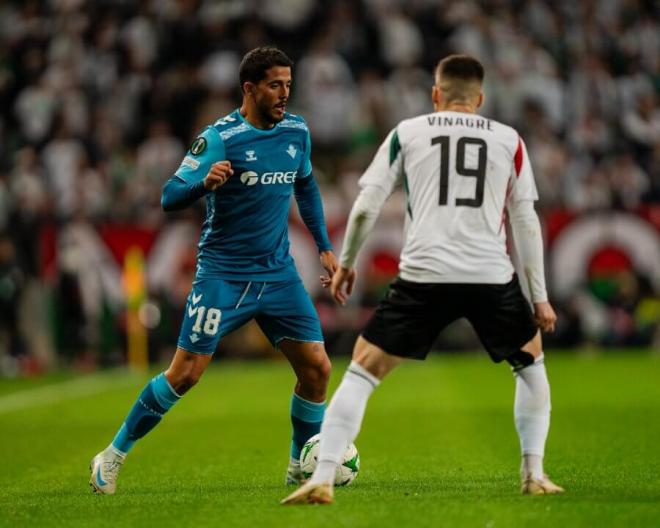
<point x="438" y="448"/>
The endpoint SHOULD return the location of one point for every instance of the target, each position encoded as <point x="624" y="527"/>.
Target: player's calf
<point x="154" y="401"/>
<point x="532" y="419"/>
<point x="312" y="367"/>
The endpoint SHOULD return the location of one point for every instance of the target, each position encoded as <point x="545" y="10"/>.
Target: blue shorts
<point x="216" y="307"/>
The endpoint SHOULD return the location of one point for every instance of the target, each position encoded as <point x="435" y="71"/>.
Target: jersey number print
<point x="479" y="172"/>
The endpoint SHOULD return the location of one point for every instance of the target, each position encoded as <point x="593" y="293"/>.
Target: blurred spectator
<point x="157" y="158"/>
<point x="325" y="92"/>
<point x="35" y="110"/>
<point x="641" y="124"/>
<point x="11" y="285"/>
<point x="627" y="180"/>
<point x="61" y="157"/>
<point x="30" y="205"/>
<point x="159" y="154"/>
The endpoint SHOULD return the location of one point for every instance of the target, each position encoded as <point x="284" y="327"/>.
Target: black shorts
<point x="408" y="320"/>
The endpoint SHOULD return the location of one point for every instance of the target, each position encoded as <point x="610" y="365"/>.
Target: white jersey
<point x="460" y="171"/>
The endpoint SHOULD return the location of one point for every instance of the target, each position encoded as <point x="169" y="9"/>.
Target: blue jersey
<point x="245" y="234"/>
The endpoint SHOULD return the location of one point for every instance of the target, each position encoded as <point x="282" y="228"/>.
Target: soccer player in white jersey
<point x="463" y="175"/>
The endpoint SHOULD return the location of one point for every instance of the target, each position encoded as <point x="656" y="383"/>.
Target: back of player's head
<point x="459" y="77"/>
<point x="255" y="63"/>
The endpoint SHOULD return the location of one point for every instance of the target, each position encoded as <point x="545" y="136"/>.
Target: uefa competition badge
<point x="198" y="146"/>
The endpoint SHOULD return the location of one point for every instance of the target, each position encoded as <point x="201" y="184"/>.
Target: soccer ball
<point x="346" y="471"/>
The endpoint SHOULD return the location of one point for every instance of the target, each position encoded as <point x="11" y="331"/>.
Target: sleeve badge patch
<point x="198" y="146"/>
<point x="189" y="162"/>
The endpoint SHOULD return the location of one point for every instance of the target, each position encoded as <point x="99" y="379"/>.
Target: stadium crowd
<point x="99" y="100"/>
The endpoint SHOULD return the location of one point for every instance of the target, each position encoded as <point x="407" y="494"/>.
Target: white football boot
<point x="294" y="475"/>
<point x="104" y="470"/>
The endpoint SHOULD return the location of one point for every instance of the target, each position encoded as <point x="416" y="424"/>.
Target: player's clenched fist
<point x="218" y="175"/>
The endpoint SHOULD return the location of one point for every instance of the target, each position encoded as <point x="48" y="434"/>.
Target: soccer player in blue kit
<point x="247" y="165"/>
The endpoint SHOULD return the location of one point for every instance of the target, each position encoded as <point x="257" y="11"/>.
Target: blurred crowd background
<point x="100" y="100"/>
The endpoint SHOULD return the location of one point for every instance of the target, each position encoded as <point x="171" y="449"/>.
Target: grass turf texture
<point x="438" y="448"/>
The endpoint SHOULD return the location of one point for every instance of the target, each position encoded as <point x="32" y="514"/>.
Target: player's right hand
<point x="218" y="175"/>
<point x="342" y="284"/>
<point x="545" y="316"/>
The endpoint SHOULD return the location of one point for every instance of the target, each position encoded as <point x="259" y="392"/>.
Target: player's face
<point x="272" y="94"/>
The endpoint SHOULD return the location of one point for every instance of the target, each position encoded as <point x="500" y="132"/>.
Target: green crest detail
<point x="395" y="147"/>
<point x="307" y="448"/>
<point x="198" y="146"/>
<point x="353" y="464"/>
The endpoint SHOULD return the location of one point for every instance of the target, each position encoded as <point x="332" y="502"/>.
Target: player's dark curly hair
<point x="256" y="62"/>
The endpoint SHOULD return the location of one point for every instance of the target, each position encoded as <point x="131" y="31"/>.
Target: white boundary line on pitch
<point x="66" y="390"/>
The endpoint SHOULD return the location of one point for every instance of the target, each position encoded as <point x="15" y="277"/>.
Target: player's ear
<point x="480" y="102"/>
<point x="435" y="96"/>
<point x="248" y="88"/>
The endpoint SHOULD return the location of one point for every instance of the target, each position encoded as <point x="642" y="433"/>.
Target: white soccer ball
<point x="346" y="471"/>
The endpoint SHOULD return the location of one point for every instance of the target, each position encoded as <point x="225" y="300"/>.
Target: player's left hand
<point x="545" y="316"/>
<point x="329" y="263"/>
<point x="342" y="284"/>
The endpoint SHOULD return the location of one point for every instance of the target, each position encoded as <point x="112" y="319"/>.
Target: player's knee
<point x="314" y="378"/>
<point x="324" y="371"/>
<point x="319" y="374"/>
<point x="183" y="381"/>
<point x="187" y="382"/>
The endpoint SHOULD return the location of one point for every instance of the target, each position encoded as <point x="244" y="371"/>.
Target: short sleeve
<point x="524" y="186"/>
<point x="207" y="149"/>
<point x="386" y="169"/>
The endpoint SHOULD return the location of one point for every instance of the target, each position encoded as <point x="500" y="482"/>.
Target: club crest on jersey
<point x="198" y="146"/>
<point x="291" y="151"/>
<point x="250" y="155"/>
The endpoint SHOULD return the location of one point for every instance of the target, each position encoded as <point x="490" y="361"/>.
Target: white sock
<point x="343" y="419"/>
<point x="532" y="415"/>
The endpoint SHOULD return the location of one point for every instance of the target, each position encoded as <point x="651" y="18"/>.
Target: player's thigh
<point x="408" y="320"/>
<point x="504" y="322"/>
<point x="534" y="346"/>
<point x="286" y="312"/>
<point x="212" y="311"/>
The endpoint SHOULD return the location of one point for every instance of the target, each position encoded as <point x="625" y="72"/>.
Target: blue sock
<point x="306" y="418"/>
<point x="154" y="401"/>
